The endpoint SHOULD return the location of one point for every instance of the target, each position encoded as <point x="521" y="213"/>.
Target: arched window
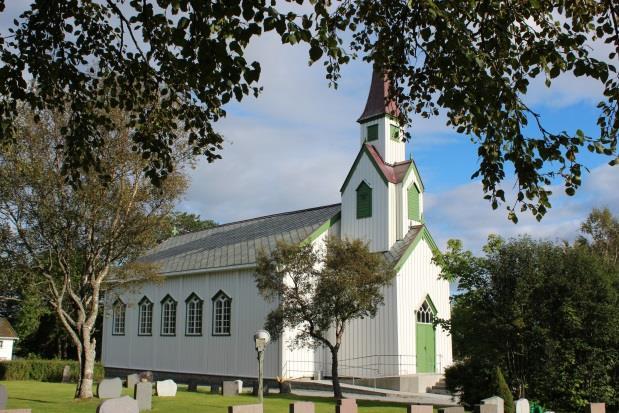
<point x="145" y="317"/>
<point x="193" y="315"/>
<point x="168" y="316"/>
<point x="222" y="306"/>
<point x="364" y="200"/>
<point x="414" y="210"/>
<point x="425" y="314"/>
<point x="118" y="318"/>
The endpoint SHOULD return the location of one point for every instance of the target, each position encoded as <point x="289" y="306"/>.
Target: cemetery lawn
<point x="58" y="398"/>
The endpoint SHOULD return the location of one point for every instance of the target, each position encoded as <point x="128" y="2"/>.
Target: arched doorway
<point x="426" y="337"/>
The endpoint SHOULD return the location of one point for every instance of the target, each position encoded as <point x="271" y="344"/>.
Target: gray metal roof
<point x="236" y="243"/>
<point x="399" y="247"/>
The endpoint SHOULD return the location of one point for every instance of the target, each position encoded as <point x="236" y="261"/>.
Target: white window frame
<point x="194" y="309"/>
<point x="145" y="317"/>
<point x="425" y="313"/>
<point x="168" y="316"/>
<point x="222" y="314"/>
<point x="119" y="315"/>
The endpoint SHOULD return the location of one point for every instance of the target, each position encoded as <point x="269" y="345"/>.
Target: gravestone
<point x="453" y="409"/>
<point x="66" y="374"/>
<point x="522" y="406"/>
<point x="232" y="388"/>
<point x="346" y="406"/>
<point x="110" y="388"/>
<point x="132" y="380"/>
<point x="192" y="385"/>
<point x="265" y="390"/>
<point x="486" y="408"/>
<point x="419" y="408"/>
<point x="301" y="407"/>
<point x="245" y="408"/>
<point x="144" y="395"/>
<point x="497" y="401"/>
<point x="215" y="389"/>
<point x="16" y="411"/>
<point x="4" y="396"/>
<point x="166" y="388"/>
<point x="119" y="405"/>
<point x="596" y="408"/>
<point x="285" y="387"/>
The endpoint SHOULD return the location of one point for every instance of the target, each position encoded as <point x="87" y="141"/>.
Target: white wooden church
<point x="198" y="323"/>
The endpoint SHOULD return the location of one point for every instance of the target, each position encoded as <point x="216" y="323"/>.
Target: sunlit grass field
<point x="58" y="398"/>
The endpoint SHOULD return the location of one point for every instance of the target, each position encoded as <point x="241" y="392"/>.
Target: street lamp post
<point x="261" y="339"/>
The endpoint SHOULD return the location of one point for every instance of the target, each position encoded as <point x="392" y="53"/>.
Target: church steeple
<point x="377" y="104"/>
<point x="379" y="121"/>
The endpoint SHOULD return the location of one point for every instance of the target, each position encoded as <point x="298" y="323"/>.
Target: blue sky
<point x="292" y="147"/>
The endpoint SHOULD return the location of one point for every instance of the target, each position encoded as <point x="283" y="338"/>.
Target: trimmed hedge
<point x="42" y="370"/>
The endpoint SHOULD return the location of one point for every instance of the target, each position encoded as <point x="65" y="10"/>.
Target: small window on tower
<point x="372" y="133"/>
<point x="364" y="200"/>
<point x="395" y="133"/>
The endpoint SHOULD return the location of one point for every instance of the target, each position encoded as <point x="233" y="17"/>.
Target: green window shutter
<point x="372" y="132"/>
<point x="395" y="133"/>
<point x="364" y="201"/>
<point x="414" y="212"/>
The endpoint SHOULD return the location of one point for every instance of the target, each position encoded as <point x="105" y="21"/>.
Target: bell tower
<point x="379" y="124"/>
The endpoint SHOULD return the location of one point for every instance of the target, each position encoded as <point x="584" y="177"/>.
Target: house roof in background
<point x="237" y="243"/>
<point x="6" y="330"/>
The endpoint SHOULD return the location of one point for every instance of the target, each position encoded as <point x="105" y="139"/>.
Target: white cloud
<point x="462" y="212"/>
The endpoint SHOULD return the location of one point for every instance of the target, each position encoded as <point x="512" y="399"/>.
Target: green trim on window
<point x="414" y="203"/>
<point x="424" y="234"/>
<point x="363" y="150"/>
<point x="394" y="132"/>
<point x="372" y="133"/>
<point x="321" y="229"/>
<point x="364" y="200"/>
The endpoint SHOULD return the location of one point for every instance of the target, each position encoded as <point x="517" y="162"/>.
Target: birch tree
<point x="76" y="238"/>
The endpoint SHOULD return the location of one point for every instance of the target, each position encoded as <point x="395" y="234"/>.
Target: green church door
<point x="426" y="338"/>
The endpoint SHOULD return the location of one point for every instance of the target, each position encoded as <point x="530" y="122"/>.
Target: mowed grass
<point x="58" y="398"/>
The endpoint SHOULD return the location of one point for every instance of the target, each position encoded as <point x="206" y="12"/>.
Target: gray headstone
<point x="144" y="395"/>
<point x="119" y="405"/>
<point x="132" y="380"/>
<point x="110" y="388"/>
<point x="285" y="388"/>
<point x="66" y="374"/>
<point x="215" y="389"/>
<point x="245" y="408"/>
<point x="486" y="408"/>
<point x="496" y="401"/>
<point x="522" y="406"/>
<point x="346" y="406"/>
<point x="596" y="408"/>
<point x="166" y="388"/>
<point x="192" y="385"/>
<point x="301" y="407"/>
<point x="453" y="409"/>
<point x="4" y="396"/>
<point x="419" y="408"/>
<point x="231" y="388"/>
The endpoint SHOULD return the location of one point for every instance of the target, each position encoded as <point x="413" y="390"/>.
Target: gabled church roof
<point x="394" y="173"/>
<point x="236" y="244"/>
<point x="6" y="330"/>
<point x="377" y="104"/>
<point x="402" y="249"/>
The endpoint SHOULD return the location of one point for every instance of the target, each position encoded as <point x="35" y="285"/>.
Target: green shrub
<point x="504" y="392"/>
<point x="42" y="370"/>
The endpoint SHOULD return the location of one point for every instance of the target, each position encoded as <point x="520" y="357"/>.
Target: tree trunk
<point x="335" y="378"/>
<point x="86" y="357"/>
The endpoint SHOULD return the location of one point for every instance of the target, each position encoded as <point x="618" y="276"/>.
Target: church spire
<point x="377" y="104"/>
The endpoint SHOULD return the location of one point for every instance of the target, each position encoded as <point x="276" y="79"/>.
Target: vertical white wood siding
<point x="374" y="229"/>
<point x="418" y="278"/>
<point x="232" y="355"/>
<point x="390" y="150"/>
<point x="6" y="351"/>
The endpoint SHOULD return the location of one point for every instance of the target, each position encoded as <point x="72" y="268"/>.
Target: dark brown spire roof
<point x="377" y="103"/>
<point x="6" y="331"/>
